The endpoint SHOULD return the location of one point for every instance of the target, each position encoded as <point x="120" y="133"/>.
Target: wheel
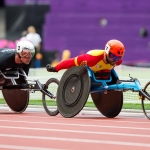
<point x="109" y="104"/>
<point x="73" y="91"/>
<point x="146" y="102"/>
<point x="16" y="99"/>
<point x="49" y="104"/>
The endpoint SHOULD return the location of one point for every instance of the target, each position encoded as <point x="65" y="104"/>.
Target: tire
<point x="145" y="102"/>
<point x="52" y="111"/>
<point x="73" y="91"/>
<point x="109" y="104"/>
<point x="16" y="99"/>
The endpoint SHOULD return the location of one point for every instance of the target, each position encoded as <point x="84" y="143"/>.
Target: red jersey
<point x="94" y="59"/>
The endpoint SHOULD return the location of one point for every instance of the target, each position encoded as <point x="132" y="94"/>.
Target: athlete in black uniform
<point x="17" y="58"/>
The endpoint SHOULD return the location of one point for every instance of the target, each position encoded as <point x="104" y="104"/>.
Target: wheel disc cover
<point x="73" y="91"/>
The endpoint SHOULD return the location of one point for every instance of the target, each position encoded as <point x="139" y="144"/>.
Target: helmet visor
<point x="25" y="54"/>
<point x="114" y="57"/>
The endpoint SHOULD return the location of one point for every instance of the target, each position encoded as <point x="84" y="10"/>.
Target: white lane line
<point x="76" y="131"/>
<point x="77" y="140"/>
<point x="93" y="120"/>
<point x="79" y="125"/>
<point x="25" y="147"/>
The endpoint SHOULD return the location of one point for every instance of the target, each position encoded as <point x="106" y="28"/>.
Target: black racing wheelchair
<point x="15" y="89"/>
<point x="78" y="82"/>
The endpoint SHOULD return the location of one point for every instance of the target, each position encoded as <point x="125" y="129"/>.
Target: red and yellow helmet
<point x="115" y="47"/>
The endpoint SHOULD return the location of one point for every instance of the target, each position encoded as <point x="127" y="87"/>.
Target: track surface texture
<point x="89" y="130"/>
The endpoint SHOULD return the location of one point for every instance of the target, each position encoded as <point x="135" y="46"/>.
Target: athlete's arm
<point x="85" y="59"/>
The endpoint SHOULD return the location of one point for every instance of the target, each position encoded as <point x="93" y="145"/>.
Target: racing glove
<point x="50" y="68"/>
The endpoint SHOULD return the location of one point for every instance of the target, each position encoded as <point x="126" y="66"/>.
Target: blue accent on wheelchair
<point x="102" y="85"/>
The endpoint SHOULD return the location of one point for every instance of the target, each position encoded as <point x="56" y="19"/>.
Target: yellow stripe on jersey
<point x="76" y="61"/>
<point x="96" y="52"/>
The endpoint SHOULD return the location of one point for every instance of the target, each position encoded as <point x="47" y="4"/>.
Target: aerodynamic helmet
<point x="25" y="45"/>
<point x="115" y="47"/>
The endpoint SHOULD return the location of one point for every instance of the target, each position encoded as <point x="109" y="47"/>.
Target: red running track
<point x="38" y="131"/>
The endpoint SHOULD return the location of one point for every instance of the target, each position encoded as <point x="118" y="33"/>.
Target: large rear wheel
<point x="16" y="99"/>
<point x="109" y="104"/>
<point x="73" y="91"/>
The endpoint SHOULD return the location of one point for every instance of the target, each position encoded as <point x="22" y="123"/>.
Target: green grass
<point x="88" y="104"/>
<point x="132" y="106"/>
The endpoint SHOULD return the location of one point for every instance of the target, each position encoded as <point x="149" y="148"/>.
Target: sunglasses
<point x="114" y="57"/>
<point x="25" y="54"/>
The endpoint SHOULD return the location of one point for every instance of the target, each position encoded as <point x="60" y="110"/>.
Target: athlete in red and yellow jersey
<point x="98" y="60"/>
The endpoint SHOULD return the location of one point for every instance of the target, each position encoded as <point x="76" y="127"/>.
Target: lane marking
<point x="79" y="125"/>
<point x="26" y="147"/>
<point x="77" y="140"/>
<point x="93" y="120"/>
<point x="76" y="131"/>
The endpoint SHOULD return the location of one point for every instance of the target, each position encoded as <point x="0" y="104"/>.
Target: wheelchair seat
<point x="102" y="75"/>
<point x="11" y="73"/>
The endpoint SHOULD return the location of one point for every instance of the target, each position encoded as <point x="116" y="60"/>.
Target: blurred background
<point x="78" y="26"/>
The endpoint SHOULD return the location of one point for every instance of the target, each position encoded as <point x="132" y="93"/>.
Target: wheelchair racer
<point x="101" y="62"/>
<point x="19" y="57"/>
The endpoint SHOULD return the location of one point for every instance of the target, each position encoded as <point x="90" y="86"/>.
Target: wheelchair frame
<point x="104" y="92"/>
<point x="133" y="84"/>
<point x="32" y="87"/>
<point x="121" y="85"/>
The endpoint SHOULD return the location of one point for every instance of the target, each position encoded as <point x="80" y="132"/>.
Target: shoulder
<point x="96" y="52"/>
<point x="37" y="34"/>
<point x="29" y="34"/>
<point x="7" y="50"/>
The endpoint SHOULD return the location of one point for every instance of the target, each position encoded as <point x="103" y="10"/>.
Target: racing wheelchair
<point x="107" y="94"/>
<point x="15" y="89"/>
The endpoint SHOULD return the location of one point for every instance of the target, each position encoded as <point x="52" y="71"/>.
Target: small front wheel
<point x="49" y="104"/>
<point x="146" y="101"/>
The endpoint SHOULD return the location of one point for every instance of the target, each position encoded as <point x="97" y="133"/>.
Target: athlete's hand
<point x="50" y="68"/>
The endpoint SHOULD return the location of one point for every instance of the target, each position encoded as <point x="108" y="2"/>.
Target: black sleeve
<point x="7" y="60"/>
